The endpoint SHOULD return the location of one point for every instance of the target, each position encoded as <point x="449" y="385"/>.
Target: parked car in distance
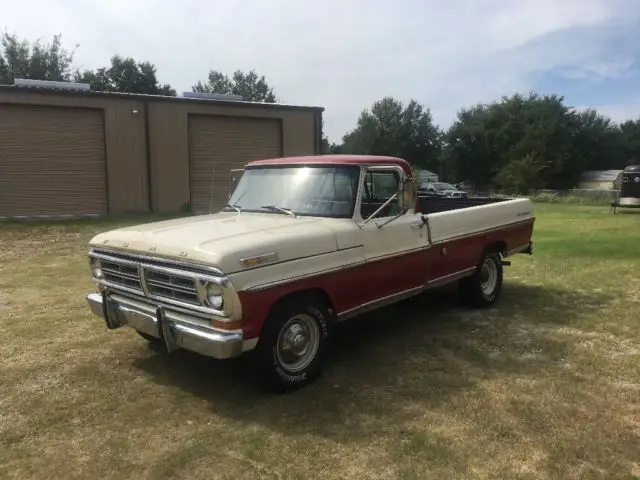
<point x="442" y="189"/>
<point x="304" y="243"/>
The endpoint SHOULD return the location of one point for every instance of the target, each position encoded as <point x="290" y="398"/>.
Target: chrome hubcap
<point x="488" y="276"/>
<point x="298" y="342"/>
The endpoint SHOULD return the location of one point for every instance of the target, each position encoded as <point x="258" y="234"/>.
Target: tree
<point x="390" y="128"/>
<point x="522" y="174"/>
<point x="125" y="75"/>
<point x="38" y="61"/>
<point x="529" y="142"/>
<point x="252" y="87"/>
<point x="468" y="147"/>
<point x="630" y="139"/>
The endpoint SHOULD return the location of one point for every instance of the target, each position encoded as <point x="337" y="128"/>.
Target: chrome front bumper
<point x="174" y="329"/>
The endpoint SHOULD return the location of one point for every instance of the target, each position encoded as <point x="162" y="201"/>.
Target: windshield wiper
<point x="234" y="206"/>
<point x="279" y="209"/>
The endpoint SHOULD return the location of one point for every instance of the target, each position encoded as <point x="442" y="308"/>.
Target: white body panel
<point x="401" y="235"/>
<point x="452" y="224"/>
<point x="304" y="245"/>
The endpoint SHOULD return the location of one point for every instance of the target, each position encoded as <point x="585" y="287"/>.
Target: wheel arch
<point x="495" y="246"/>
<point x="313" y="292"/>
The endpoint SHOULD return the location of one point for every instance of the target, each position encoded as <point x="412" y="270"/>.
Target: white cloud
<point x="342" y="55"/>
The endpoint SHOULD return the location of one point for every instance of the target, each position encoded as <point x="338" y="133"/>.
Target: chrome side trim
<point x="403" y="295"/>
<point x="381" y="302"/>
<point x="304" y="276"/>
<point x="452" y="277"/>
<point x="398" y="254"/>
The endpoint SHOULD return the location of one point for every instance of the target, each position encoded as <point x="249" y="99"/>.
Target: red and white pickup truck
<point x="304" y="242"/>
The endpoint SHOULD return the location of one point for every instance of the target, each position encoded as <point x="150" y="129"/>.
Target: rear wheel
<point x="293" y="344"/>
<point x="483" y="287"/>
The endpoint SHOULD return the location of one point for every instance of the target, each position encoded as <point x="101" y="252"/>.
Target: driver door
<point x="395" y="243"/>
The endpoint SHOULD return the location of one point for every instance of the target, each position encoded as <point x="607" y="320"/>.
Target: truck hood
<point x="222" y="239"/>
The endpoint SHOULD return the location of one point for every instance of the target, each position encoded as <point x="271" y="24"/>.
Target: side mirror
<point x="408" y="194"/>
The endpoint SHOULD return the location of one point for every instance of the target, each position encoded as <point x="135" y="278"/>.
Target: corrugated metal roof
<point x="143" y="96"/>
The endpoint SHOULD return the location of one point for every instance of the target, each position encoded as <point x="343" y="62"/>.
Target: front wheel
<point x="483" y="287"/>
<point x="292" y="347"/>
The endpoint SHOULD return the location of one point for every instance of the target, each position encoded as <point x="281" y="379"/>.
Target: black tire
<point x="479" y="291"/>
<point x="268" y="359"/>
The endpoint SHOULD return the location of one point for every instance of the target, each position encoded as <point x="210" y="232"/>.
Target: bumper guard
<point x="174" y="329"/>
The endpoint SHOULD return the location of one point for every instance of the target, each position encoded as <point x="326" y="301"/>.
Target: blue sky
<point x="610" y="81"/>
<point x="345" y="54"/>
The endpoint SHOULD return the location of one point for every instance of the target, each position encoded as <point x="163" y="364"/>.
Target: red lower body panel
<point x="354" y="286"/>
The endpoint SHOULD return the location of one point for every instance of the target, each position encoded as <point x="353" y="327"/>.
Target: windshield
<point x="323" y="191"/>
<point x="443" y="186"/>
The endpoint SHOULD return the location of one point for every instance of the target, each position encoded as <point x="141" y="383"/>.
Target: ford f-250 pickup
<point x="303" y="243"/>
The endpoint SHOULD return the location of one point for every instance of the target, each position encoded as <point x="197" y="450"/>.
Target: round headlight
<point x="96" y="270"/>
<point x="214" y="295"/>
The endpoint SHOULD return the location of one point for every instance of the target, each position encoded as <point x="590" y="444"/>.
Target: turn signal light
<point x="222" y="325"/>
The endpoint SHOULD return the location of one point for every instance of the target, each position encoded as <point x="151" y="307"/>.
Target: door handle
<point x="417" y="224"/>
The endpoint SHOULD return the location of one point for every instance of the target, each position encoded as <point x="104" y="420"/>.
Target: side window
<point x="379" y="186"/>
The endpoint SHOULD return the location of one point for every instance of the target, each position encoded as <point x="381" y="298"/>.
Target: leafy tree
<point x="630" y="139"/>
<point x="125" y="75"/>
<point x="252" y="87"/>
<point x="390" y="128"/>
<point x="548" y="143"/>
<point x="523" y="174"/>
<point x="468" y="147"/>
<point x="38" y="61"/>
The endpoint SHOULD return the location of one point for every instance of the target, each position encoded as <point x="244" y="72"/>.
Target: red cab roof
<point x="335" y="160"/>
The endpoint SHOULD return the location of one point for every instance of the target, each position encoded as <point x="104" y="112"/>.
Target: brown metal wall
<point x="123" y="134"/>
<point x="131" y="123"/>
<point x="169" y="142"/>
<point x="219" y="144"/>
<point x="52" y="161"/>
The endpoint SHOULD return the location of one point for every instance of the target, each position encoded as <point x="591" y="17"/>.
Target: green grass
<point x="544" y="385"/>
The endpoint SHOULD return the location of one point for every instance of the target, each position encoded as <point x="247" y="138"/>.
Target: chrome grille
<point x="121" y="274"/>
<point x="167" y="285"/>
<point x="154" y="278"/>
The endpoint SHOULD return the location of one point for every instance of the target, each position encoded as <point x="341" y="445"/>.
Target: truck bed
<point x="432" y="204"/>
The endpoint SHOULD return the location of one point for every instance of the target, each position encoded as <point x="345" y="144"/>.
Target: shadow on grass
<point x="432" y="380"/>
<point x="421" y="351"/>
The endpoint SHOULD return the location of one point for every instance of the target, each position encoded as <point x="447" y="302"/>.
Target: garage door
<point x="221" y="144"/>
<point x="52" y="161"/>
